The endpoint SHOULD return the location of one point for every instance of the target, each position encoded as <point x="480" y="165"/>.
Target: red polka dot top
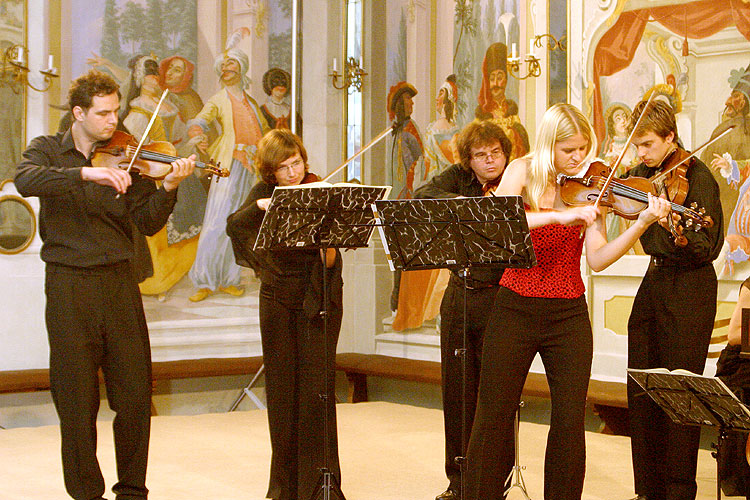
<point x="557" y="273"/>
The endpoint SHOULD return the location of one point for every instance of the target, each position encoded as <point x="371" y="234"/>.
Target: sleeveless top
<point x="557" y="273"/>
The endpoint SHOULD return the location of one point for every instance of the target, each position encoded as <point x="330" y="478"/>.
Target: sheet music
<point x="430" y="233"/>
<point x="319" y="217"/>
<point x="692" y="399"/>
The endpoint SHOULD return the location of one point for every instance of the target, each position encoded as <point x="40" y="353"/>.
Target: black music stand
<point x="312" y="216"/>
<point x="690" y="399"/>
<point x="458" y="234"/>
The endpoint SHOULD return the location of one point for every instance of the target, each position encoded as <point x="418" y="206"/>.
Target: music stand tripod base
<point x="515" y="477"/>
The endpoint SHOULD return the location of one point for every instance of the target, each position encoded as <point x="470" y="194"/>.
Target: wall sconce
<point x="15" y="65"/>
<point x="351" y="75"/>
<point x="532" y="62"/>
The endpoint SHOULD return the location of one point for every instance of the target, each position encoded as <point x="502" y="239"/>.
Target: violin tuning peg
<point x="689" y="223"/>
<point x="698" y="227"/>
<point x="694" y="205"/>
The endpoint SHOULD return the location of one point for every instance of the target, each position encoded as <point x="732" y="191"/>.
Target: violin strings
<point x="164" y="158"/>
<point x="639" y="195"/>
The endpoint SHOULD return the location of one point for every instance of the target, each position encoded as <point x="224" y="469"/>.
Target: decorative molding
<point x="259" y="10"/>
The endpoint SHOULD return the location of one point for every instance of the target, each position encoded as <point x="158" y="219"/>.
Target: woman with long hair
<point x="543" y="310"/>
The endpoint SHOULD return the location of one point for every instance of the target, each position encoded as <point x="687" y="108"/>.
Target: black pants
<point x="670" y="327"/>
<point x="478" y="303"/>
<point x="294" y="356"/>
<point x="519" y="327"/>
<point x="95" y="320"/>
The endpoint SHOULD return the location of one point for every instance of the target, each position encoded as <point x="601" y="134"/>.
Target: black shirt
<point x="453" y="182"/>
<point x="84" y="224"/>
<point x="704" y="245"/>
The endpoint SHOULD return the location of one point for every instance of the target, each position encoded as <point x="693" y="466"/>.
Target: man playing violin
<point x="94" y="311"/>
<point x="483" y="149"/>
<point x="673" y="312"/>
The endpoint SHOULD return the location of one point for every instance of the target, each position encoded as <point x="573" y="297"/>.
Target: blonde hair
<point x="559" y="123"/>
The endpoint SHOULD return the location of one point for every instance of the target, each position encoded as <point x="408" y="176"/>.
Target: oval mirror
<point x="17" y="224"/>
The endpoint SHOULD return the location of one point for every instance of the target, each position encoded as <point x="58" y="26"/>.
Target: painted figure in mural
<point x="616" y="117"/>
<point x="296" y="341"/>
<point x="242" y="126"/>
<point x="407" y="149"/>
<point x="440" y="147"/>
<point x="494" y="105"/>
<point x="94" y="313"/>
<point x="543" y="310"/>
<point x="406" y="157"/>
<point x="483" y="150"/>
<point x="729" y="158"/>
<point x="276" y="84"/>
<point x="173" y="248"/>
<point x="176" y="74"/>
<point x="660" y="335"/>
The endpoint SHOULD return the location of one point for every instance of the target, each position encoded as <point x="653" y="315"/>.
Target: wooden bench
<point x="38" y="380"/>
<point x="609" y="398"/>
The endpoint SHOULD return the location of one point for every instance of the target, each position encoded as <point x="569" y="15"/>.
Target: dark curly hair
<point x="86" y="87"/>
<point x="480" y="133"/>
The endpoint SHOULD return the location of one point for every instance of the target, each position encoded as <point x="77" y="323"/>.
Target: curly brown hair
<point x="276" y="146"/>
<point x="480" y="133"/>
<point x="86" y="87"/>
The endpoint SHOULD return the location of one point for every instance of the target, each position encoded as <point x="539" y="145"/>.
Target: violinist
<point x="94" y="311"/>
<point x="543" y="310"/>
<point x="291" y="327"/>
<point x="483" y="149"/>
<point x="673" y="312"/>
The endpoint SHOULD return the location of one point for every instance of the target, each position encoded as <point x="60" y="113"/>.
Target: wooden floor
<point x="388" y="452"/>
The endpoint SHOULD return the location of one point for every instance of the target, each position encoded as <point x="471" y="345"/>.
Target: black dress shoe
<point x="448" y="494"/>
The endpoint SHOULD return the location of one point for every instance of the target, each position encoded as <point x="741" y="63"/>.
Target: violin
<point x="154" y="160"/>
<point x="629" y="197"/>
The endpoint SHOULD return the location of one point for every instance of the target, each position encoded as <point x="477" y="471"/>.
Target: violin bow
<point x="624" y="150"/>
<point x="359" y="153"/>
<point x="148" y="129"/>
<point x="662" y="175"/>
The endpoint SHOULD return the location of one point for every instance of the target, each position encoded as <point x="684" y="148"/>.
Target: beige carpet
<point x="388" y="452"/>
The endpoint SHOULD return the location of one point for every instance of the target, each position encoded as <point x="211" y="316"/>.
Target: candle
<point x="335" y="66"/>
<point x="513" y="50"/>
<point x="531" y="47"/>
<point x="20" y="56"/>
<point x="361" y="63"/>
<point x="50" y="62"/>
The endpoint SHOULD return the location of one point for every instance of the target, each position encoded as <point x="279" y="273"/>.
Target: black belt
<point x="472" y="284"/>
<point x="683" y="264"/>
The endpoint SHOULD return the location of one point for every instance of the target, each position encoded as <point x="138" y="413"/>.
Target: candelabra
<point x="351" y="76"/>
<point x="15" y="70"/>
<point x="533" y="67"/>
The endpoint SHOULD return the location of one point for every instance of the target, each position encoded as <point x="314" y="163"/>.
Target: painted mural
<point x="661" y="50"/>
<point x="149" y="46"/>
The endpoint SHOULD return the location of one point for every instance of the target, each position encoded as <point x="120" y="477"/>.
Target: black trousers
<point x="670" y="327"/>
<point x="519" y="327"/>
<point x="293" y="342"/>
<point x="478" y="302"/>
<point x="95" y="320"/>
